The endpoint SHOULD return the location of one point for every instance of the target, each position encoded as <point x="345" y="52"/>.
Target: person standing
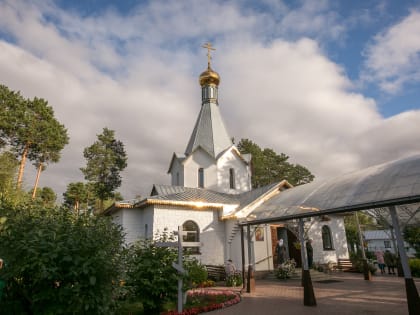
<point x="280" y="252"/>
<point x="230" y="268"/>
<point x="310" y="253"/>
<point x="390" y="262"/>
<point x="380" y="259"/>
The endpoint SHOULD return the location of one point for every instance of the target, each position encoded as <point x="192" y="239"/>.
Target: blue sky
<point x="333" y="84"/>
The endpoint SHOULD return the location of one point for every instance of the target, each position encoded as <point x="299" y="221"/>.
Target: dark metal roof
<point x="392" y="183"/>
<point x="248" y="197"/>
<point x="179" y="193"/>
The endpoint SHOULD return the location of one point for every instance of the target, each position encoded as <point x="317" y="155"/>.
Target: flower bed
<point x="286" y="269"/>
<point x="201" y="301"/>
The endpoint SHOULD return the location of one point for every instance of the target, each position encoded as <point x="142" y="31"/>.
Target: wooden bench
<point x="345" y="265"/>
<point x="216" y="273"/>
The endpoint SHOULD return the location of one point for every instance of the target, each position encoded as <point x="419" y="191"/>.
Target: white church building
<point x="210" y="192"/>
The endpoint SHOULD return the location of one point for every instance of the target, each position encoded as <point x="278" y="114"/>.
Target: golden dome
<point x="209" y="77"/>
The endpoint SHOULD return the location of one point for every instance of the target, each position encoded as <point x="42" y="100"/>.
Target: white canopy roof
<point x="395" y="183"/>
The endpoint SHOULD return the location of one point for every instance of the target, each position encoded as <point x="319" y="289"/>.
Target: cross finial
<point x="209" y="48"/>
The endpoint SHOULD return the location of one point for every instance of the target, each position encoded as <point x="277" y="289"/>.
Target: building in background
<point x="382" y="239"/>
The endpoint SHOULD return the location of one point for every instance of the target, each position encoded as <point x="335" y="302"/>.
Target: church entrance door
<point x="290" y="241"/>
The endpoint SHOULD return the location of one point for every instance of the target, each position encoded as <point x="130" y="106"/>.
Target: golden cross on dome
<point x="209" y="48"/>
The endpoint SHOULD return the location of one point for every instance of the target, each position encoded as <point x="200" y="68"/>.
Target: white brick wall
<point x="214" y="234"/>
<point x="339" y="239"/>
<point x="242" y="176"/>
<point x="177" y="168"/>
<point x="197" y="160"/>
<point x="212" y="231"/>
<point x="134" y="223"/>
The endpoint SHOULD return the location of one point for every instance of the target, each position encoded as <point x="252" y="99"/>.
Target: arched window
<point x="232" y="178"/>
<point x="326" y="238"/>
<point x="201" y="177"/>
<point x="193" y="235"/>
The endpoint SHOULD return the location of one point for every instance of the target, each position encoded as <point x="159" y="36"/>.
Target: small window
<point x="146" y="228"/>
<point x="326" y="238"/>
<point x="201" y="177"/>
<point x="387" y="244"/>
<point x="232" y="178"/>
<point x="193" y="235"/>
<point x="177" y="178"/>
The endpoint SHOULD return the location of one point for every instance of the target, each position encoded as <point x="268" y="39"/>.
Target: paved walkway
<point x="348" y="294"/>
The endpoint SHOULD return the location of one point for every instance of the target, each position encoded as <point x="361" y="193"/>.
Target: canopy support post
<point x="366" y="271"/>
<point x="308" y="290"/>
<point x="413" y="299"/>
<point x="250" y="284"/>
<point x="243" y="256"/>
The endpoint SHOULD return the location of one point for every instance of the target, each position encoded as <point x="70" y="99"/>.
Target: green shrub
<point x="415" y="267"/>
<point x="197" y="273"/>
<point x="150" y="273"/>
<point x="58" y="263"/>
<point x="130" y="308"/>
<point x="234" y="280"/>
<point x="286" y="269"/>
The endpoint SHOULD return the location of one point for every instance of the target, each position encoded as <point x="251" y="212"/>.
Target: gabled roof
<point x="209" y="132"/>
<point x="252" y="199"/>
<point x="176" y="156"/>
<point x="248" y="197"/>
<point x="201" y="198"/>
<point x="377" y="235"/>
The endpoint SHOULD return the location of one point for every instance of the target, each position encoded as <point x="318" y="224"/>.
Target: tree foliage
<point x="51" y="138"/>
<point x="8" y="172"/>
<point x="352" y="233"/>
<point x="31" y="130"/>
<point x="106" y="158"/>
<point x="12" y="106"/>
<point x="78" y="196"/>
<point x="56" y="262"/>
<point x="412" y="236"/>
<point x="269" y="167"/>
<point x="46" y="197"/>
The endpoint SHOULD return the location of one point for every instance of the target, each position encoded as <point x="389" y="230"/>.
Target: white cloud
<point x="138" y="75"/>
<point x="393" y="59"/>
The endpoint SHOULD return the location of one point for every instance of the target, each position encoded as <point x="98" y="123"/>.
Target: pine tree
<point x="31" y="130"/>
<point x="269" y="167"/>
<point x="106" y="158"/>
<point x="51" y="139"/>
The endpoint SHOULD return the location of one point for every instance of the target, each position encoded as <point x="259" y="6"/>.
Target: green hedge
<point x="415" y="267"/>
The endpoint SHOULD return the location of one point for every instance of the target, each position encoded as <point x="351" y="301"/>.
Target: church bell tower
<point x="210" y="159"/>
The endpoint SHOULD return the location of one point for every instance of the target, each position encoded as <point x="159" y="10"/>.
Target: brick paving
<point x="351" y="294"/>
